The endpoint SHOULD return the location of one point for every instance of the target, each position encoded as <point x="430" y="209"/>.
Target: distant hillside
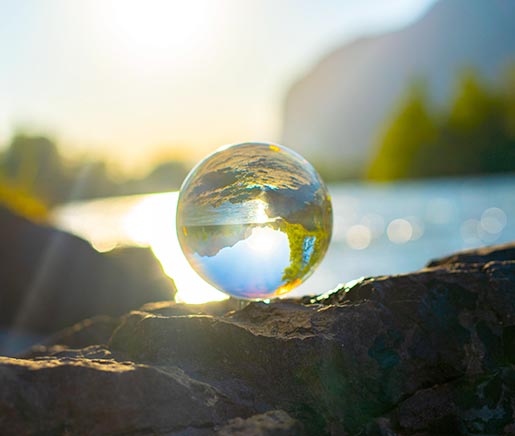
<point x="334" y="114"/>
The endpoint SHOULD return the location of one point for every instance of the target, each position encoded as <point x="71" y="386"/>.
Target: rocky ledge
<point x="50" y="279"/>
<point x="426" y="353"/>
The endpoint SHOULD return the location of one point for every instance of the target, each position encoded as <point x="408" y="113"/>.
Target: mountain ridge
<point x="324" y="110"/>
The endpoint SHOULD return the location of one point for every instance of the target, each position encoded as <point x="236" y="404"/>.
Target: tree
<point x="475" y="135"/>
<point x="412" y="129"/>
<point x="33" y="163"/>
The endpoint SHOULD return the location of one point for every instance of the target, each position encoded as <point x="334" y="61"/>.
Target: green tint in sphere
<point x="254" y="220"/>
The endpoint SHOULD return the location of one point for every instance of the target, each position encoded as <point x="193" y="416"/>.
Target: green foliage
<point x="33" y="164"/>
<point x="28" y="163"/>
<point x="475" y="134"/>
<point x="412" y="130"/>
<point x="297" y="235"/>
<point x="18" y="200"/>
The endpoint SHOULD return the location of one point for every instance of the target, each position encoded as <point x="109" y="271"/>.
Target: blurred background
<point x="405" y="107"/>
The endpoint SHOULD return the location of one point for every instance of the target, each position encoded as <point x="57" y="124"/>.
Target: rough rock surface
<point x="426" y="353"/>
<point x="50" y="279"/>
<point x="480" y="255"/>
<point x="272" y="423"/>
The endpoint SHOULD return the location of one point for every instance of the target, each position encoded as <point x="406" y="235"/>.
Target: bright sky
<point x="131" y="79"/>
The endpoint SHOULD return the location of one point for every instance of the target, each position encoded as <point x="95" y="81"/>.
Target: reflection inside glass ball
<point x="254" y="220"/>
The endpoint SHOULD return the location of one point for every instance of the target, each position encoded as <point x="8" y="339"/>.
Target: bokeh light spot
<point x="358" y="237"/>
<point x="399" y="231"/>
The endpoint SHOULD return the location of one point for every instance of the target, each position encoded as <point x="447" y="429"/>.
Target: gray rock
<point x="272" y="423"/>
<point x="171" y="308"/>
<point x="86" y="396"/>
<point x="345" y="360"/>
<point x="91" y="331"/>
<point x="478" y="255"/>
<point x="51" y="280"/>
<point x="430" y="352"/>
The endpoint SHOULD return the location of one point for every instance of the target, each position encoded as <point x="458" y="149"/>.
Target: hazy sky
<point x="134" y="80"/>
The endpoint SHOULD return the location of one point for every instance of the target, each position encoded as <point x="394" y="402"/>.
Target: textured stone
<point x="478" y="255"/>
<point x="272" y="423"/>
<point x="87" y="396"/>
<point x="425" y="353"/>
<point x="346" y="359"/>
<point x="51" y="279"/>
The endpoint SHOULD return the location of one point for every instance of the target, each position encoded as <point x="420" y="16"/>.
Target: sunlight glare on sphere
<point x="254" y="220"/>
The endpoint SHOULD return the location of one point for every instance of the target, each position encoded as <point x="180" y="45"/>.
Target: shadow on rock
<point x="51" y="280"/>
<point x="425" y="353"/>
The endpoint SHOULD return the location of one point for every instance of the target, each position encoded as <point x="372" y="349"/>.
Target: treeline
<point x="473" y="134"/>
<point x="34" y="176"/>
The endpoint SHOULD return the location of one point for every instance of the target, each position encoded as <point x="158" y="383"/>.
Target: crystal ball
<point x="254" y="220"/>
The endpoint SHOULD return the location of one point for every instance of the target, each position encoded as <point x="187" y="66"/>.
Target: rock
<point x="170" y="308"/>
<point x="478" y="404"/>
<point x="272" y="423"/>
<point x="430" y="352"/>
<point x="145" y="270"/>
<point x="51" y="279"/>
<point x="478" y="255"/>
<point x="348" y="359"/>
<point x="91" y="331"/>
<point x="98" y="329"/>
<point x="104" y="397"/>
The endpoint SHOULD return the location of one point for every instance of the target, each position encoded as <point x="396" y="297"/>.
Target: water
<point x="378" y="228"/>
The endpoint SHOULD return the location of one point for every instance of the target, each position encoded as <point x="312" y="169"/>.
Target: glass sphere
<point x="254" y="220"/>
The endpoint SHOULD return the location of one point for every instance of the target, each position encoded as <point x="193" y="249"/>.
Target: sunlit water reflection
<point x="378" y="229"/>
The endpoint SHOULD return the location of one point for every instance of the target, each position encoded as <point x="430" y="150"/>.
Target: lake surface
<point x="378" y="228"/>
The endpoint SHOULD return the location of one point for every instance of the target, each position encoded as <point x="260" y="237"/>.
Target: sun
<point x="258" y="211"/>
<point x="156" y="32"/>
